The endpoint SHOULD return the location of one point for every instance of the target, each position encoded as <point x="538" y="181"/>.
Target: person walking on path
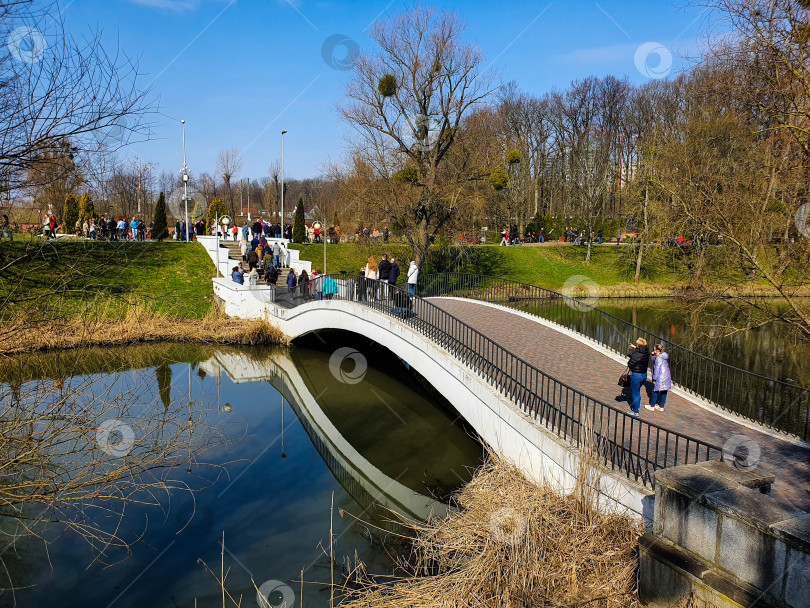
<point x="504" y="238"/>
<point x="413" y="277"/>
<point x="370" y="274"/>
<point x="252" y="258"/>
<point x="662" y="379"/>
<point x="291" y="283"/>
<point x="393" y="272"/>
<point x="638" y="362"/>
<point x="330" y="288"/>
<point x="284" y="256"/>
<point x="382" y="275"/>
<point x="271" y="275"/>
<point x="303" y="283"/>
<point x="276" y="252"/>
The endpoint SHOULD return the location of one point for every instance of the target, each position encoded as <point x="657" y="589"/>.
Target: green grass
<point x="352" y="257"/>
<point x="106" y="278"/>
<point x="548" y="266"/>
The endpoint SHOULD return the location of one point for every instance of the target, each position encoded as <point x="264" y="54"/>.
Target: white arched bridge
<point x="534" y="373"/>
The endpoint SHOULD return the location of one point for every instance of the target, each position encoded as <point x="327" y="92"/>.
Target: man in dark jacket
<point x="256" y="228"/>
<point x="252" y="259"/>
<point x="638" y="363"/>
<point x="393" y="272"/>
<point x="383" y="272"/>
<point x="271" y="275"/>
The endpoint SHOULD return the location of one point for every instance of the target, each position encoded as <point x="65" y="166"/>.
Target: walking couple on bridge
<point x="637" y="365"/>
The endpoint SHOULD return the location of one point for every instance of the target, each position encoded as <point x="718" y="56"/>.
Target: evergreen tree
<point x="86" y="209"/>
<point x="299" y="234"/>
<point x="197" y="213"/>
<point x="215" y="209"/>
<point x="164" y="381"/>
<point x="70" y="214"/>
<point x="160" y="230"/>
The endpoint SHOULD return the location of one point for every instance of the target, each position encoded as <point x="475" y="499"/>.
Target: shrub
<point x="160" y="230"/>
<point x="86" y="209"/>
<point x="215" y="209"/>
<point x="299" y="232"/>
<point x="70" y="213"/>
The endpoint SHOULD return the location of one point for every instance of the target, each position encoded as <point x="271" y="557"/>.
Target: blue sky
<point x="240" y="71"/>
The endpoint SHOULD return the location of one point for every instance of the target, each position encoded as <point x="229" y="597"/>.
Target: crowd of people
<point x="372" y="283"/>
<point x="102" y="228"/>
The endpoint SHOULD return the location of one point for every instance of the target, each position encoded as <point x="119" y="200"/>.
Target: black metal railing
<point x="773" y="403"/>
<point x="616" y="440"/>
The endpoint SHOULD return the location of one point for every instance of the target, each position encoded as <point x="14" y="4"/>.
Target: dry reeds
<point x="29" y="333"/>
<point x="513" y="544"/>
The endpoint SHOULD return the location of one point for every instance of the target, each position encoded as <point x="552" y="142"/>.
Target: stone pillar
<point x="717" y="535"/>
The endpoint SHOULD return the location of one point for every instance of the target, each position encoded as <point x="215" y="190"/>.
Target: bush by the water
<point x="512" y="544"/>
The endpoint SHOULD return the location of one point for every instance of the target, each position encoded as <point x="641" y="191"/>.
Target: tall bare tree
<point x="407" y="103"/>
<point x="229" y="163"/>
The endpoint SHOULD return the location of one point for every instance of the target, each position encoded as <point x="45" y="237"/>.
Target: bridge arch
<point x="498" y="421"/>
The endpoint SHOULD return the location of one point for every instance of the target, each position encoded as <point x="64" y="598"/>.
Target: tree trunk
<point x="642" y="236"/>
<point x="588" y="230"/>
<point x="420" y="243"/>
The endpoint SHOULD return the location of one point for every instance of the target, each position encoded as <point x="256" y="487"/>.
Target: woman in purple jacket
<point x="662" y="379"/>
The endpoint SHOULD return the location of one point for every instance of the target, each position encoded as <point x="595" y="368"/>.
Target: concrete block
<point x="659" y="584"/>
<point x="693" y="481"/>
<point x="749" y="479"/>
<point x="751" y="555"/>
<point x="688" y="524"/>
<point x="748" y="548"/>
<point x="795" y="533"/>
<point x="751" y="507"/>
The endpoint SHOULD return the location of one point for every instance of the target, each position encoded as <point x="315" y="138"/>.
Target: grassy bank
<point x="105" y="279"/>
<point x="72" y="294"/>
<point x="666" y="270"/>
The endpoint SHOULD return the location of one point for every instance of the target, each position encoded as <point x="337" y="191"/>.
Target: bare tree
<point x="407" y="104"/>
<point x="229" y="163"/>
<point x="770" y="42"/>
<point x="59" y="91"/>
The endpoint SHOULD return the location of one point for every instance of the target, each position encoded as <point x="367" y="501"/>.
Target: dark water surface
<point x="294" y="428"/>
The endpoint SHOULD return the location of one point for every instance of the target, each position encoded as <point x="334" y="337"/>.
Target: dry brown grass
<point x="512" y="544"/>
<point x="29" y="333"/>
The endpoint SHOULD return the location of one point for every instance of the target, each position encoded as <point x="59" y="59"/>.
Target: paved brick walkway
<point x="595" y="374"/>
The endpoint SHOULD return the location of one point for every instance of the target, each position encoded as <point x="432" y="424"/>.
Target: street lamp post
<point x="185" y="178"/>
<point x="282" y="182"/>
<point x="323" y="238"/>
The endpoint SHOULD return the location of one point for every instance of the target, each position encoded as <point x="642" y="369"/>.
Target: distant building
<point x="24" y="219"/>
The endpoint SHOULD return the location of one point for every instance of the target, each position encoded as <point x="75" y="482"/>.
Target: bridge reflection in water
<point x="370" y="439"/>
<point x="274" y="513"/>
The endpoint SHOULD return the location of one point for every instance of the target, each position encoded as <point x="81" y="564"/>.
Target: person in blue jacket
<point x="291" y="283"/>
<point x="237" y="275"/>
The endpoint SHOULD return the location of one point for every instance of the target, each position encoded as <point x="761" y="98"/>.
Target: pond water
<point x="335" y="418"/>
